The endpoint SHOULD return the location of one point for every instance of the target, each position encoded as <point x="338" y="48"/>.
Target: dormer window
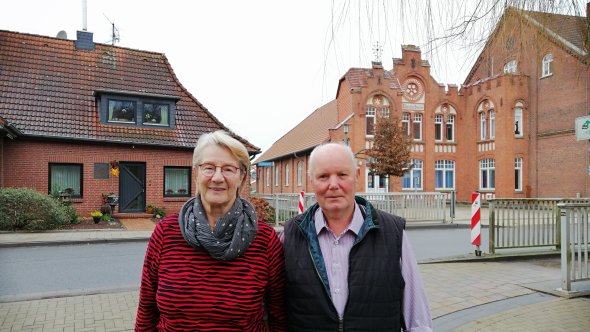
<point x="121" y="108"/>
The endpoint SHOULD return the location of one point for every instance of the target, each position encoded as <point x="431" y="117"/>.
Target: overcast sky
<point x="260" y="66"/>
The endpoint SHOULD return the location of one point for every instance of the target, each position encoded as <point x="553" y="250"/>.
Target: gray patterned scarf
<point x="232" y="234"/>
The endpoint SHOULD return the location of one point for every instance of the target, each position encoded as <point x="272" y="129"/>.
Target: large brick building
<point x="507" y="132"/>
<point x="70" y="110"/>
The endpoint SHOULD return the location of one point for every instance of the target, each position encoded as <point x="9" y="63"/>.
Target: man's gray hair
<point x="323" y="146"/>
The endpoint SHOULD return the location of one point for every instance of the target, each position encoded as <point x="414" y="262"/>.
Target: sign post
<point x="301" y="202"/>
<point x="476" y="222"/>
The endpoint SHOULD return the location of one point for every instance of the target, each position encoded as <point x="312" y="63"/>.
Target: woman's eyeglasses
<point x="209" y="170"/>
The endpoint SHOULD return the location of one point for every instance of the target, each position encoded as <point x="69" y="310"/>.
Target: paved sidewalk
<point x="480" y="295"/>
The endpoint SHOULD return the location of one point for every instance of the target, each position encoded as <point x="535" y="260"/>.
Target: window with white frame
<point x="268" y="177"/>
<point x="510" y="67"/>
<point x="547" y="61"/>
<point x="417" y="127"/>
<point x="371" y="112"/>
<point x="65" y="179"/>
<point x="487" y="174"/>
<point x="444" y="174"/>
<point x="450" y="132"/>
<point x="384" y="112"/>
<point x="406" y="123"/>
<point x="177" y="181"/>
<point x="518" y="123"/>
<point x="287" y="175"/>
<point x="438" y="127"/>
<point x="518" y="174"/>
<point x="492" y="124"/>
<point x="277" y="176"/>
<point x="299" y="173"/>
<point x="412" y="179"/>
<point x="482" y="126"/>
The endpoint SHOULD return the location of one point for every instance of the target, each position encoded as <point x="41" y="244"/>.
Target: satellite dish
<point x="62" y="35"/>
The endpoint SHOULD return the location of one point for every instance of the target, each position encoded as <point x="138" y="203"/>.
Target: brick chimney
<point x="84" y="41"/>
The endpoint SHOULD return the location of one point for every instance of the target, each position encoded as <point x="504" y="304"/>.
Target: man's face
<point x="334" y="178"/>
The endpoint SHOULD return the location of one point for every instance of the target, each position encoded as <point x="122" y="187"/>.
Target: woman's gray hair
<point x="329" y="146"/>
<point x="223" y="139"/>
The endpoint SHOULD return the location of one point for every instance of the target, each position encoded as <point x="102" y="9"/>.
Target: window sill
<point x="548" y="75"/>
<point x="176" y="199"/>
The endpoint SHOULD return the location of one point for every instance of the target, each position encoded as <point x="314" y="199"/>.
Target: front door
<point x="376" y="183"/>
<point x="131" y="187"/>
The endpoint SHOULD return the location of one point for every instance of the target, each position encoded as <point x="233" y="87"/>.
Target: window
<point x="417" y="126"/>
<point x="177" y="181"/>
<point x="510" y="67"/>
<point x="128" y="109"/>
<point x="155" y="114"/>
<point x="384" y="112"/>
<point x="65" y="179"/>
<point x="438" y="124"/>
<point x="487" y="174"/>
<point x="518" y="174"/>
<point x="547" y="61"/>
<point x="286" y="175"/>
<point x="122" y="111"/>
<point x="482" y="126"/>
<point x="406" y="123"/>
<point x="371" y="121"/>
<point x="268" y="177"/>
<point x="277" y="177"/>
<point x="450" y="132"/>
<point x="444" y="171"/>
<point x="299" y="173"/>
<point x="492" y="124"/>
<point x="413" y="178"/>
<point x="518" y="128"/>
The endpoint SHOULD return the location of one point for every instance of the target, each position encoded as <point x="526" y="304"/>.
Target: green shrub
<point x="27" y="209"/>
<point x="265" y="212"/>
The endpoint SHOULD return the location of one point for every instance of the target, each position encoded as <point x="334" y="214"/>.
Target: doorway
<point x="131" y="187"/>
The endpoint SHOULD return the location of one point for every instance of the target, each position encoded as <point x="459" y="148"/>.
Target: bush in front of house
<point x="265" y="211"/>
<point x="27" y="209"/>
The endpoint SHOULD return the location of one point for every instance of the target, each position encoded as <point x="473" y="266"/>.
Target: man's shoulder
<point x="389" y="218"/>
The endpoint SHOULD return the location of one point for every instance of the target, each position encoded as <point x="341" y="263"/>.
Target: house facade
<point x="508" y="131"/>
<point x="86" y="119"/>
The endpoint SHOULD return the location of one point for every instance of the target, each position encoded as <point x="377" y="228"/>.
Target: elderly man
<point x="350" y="266"/>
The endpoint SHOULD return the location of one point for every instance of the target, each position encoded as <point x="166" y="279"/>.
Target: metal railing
<point x="575" y="240"/>
<point x="525" y="223"/>
<point x="411" y="206"/>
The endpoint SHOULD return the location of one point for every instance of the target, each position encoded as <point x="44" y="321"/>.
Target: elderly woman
<point x="212" y="266"/>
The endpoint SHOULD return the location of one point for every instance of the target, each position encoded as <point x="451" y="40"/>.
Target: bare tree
<point x="390" y="154"/>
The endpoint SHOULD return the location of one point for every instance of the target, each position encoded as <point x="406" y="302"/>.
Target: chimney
<point x="84" y="41"/>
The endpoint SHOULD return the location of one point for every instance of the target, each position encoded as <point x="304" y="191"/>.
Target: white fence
<point x="575" y="243"/>
<point x="411" y="206"/>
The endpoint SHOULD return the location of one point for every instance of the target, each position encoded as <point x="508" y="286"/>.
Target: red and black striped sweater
<point x="185" y="289"/>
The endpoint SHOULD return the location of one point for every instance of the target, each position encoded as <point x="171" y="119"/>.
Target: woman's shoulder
<point x="167" y="223"/>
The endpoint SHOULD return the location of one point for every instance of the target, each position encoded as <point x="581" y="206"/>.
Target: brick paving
<point x="454" y="289"/>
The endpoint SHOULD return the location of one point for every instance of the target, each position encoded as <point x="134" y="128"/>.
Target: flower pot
<point x="96" y="219"/>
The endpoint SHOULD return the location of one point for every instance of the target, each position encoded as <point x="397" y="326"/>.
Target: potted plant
<point x="150" y="209"/>
<point x="96" y="216"/>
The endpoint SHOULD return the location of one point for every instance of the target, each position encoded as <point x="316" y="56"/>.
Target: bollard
<point x="475" y="223"/>
<point x="301" y="201"/>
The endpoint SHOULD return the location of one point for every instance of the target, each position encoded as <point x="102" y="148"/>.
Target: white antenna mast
<point x="114" y="32"/>
<point x="84" y="14"/>
<point x="377" y="50"/>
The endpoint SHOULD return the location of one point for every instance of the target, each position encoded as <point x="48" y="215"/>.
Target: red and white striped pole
<point x="476" y="223"/>
<point x="301" y="201"/>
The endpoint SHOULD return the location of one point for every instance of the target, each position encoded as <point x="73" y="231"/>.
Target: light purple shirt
<point x="335" y="249"/>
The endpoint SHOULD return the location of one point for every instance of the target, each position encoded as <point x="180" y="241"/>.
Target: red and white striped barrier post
<point x="476" y="223"/>
<point x="301" y="201"/>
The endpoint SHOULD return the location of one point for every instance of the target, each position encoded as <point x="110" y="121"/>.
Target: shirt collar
<point x="354" y="226"/>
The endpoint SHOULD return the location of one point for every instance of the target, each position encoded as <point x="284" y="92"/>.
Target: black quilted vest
<point x="374" y="279"/>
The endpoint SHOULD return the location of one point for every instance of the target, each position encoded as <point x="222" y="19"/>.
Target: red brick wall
<point x="26" y="165"/>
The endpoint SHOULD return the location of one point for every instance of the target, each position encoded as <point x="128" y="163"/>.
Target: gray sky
<point x="248" y="61"/>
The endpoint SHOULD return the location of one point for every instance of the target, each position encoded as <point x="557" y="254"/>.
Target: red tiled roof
<point x="48" y="87"/>
<point x="309" y="133"/>
<point x="572" y="29"/>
